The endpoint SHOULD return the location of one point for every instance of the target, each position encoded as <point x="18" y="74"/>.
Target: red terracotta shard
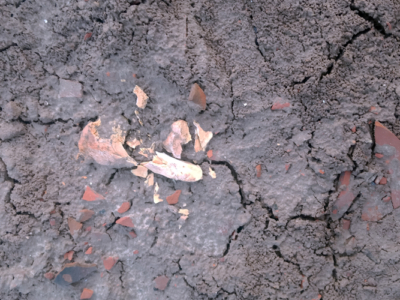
<point x="125" y="221"/>
<point x="174" y="198"/>
<point x="85" y="214"/>
<point x="345" y="198"/>
<point x="197" y="96"/>
<point x="378" y="155"/>
<point x="74" y="272"/>
<point x="124" y="207"/>
<point x="258" y="171"/>
<point x="74" y="225"/>
<point x="86" y="293"/>
<point x="287" y="166"/>
<point x="133" y="234"/>
<point x="52" y="222"/>
<point x="69" y="255"/>
<point x="383" y="181"/>
<point x="354" y="129"/>
<point x="210" y="154"/>
<point x="346" y="224"/>
<point x="371" y="214"/>
<point x="87" y="36"/>
<point x="109" y="262"/>
<point x="136" y="252"/>
<point x="49" y="275"/>
<point x="387" y="142"/>
<point x="89" y="250"/>
<point x="91" y="195"/>
<point x="278" y="105"/>
<point x="161" y="282"/>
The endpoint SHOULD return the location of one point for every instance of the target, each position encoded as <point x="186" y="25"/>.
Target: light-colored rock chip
<point x="140" y="171"/>
<point x="107" y="152"/>
<point x="149" y="180"/>
<point x="202" y="138"/>
<point x="157" y="198"/>
<point x="141" y="97"/>
<point x="173" y="168"/>
<point x="178" y="136"/>
<point x="184" y="212"/>
<point x="212" y="173"/>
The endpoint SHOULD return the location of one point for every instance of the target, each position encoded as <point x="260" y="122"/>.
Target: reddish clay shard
<point x="384" y="137"/>
<point x="174" y="198"/>
<point x="371" y="214"/>
<point x="86" y="294"/>
<point x="210" y="154"/>
<point x="287" y="166"/>
<point x="109" y="262"/>
<point x="69" y="255"/>
<point x="345" y="198"/>
<point x="383" y="181"/>
<point x="378" y="155"/>
<point x="258" y="171"/>
<point x="49" y="275"/>
<point x="74" y="272"/>
<point x="89" y="250"/>
<point x="91" y="195"/>
<point x="197" y="96"/>
<point x="278" y="105"/>
<point x="125" y="221"/>
<point x="133" y="234"/>
<point x="52" y="222"/>
<point x="74" y="225"/>
<point x="87" y="36"/>
<point x="354" y="129"/>
<point x="124" y="207"/>
<point x="85" y="214"/>
<point x="161" y="282"/>
<point x="346" y="224"/>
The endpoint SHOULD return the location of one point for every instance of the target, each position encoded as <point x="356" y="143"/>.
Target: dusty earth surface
<point x="304" y="201"/>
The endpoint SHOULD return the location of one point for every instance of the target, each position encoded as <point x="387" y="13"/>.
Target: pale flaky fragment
<point x="212" y="173"/>
<point x="142" y="98"/>
<point x="202" y="138"/>
<point x="178" y="136"/>
<point x="107" y="152"/>
<point x="149" y="180"/>
<point x="157" y="198"/>
<point x="173" y="168"/>
<point x="140" y="171"/>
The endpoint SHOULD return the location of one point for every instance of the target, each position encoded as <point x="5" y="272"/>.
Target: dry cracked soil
<point x="302" y="100"/>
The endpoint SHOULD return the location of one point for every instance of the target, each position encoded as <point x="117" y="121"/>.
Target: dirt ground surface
<point x="303" y="103"/>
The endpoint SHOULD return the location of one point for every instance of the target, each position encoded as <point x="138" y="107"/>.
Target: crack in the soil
<point x="378" y="26"/>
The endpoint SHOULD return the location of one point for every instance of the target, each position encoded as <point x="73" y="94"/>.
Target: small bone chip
<point x="142" y="98"/>
<point x="178" y="136"/>
<point x="157" y="198"/>
<point x="173" y="168"/>
<point x="107" y="152"/>
<point x="202" y="138"/>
